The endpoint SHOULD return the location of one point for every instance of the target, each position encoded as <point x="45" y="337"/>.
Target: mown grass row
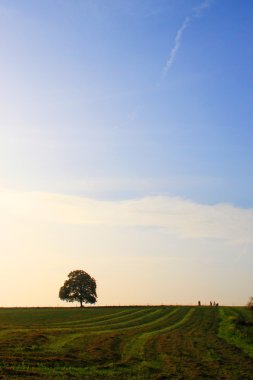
<point x="236" y="328"/>
<point x="126" y="343"/>
<point x="135" y="346"/>
<point x="104" y="342"/>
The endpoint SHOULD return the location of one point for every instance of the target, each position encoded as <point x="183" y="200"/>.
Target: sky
<point x="126" y="150"/>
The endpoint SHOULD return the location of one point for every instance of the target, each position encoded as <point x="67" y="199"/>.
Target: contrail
<point x="177" y="44"/>
<point x="197" y="12"/>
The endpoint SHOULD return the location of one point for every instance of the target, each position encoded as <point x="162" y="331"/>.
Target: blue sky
<point x="124" y="102"/>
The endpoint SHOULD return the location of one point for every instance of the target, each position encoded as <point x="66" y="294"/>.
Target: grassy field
<point x="165" y="342"/>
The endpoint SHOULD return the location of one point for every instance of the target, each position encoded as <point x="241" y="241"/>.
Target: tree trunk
<point x="81" y="303"/>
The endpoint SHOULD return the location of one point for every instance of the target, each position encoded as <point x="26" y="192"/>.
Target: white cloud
<point x="179" y="250"/>
<point x="176" y="216"/>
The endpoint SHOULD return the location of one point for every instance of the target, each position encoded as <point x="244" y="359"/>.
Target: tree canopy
<point x="80" y="287"/>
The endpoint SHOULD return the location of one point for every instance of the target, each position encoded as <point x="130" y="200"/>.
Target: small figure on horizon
<point x="199" y="303"/>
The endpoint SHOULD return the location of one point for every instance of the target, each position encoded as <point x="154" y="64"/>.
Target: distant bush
<point x="250" y="304"/>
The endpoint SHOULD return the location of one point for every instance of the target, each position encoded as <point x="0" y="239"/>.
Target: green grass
<point x="163" y="342"/>
<point x="236" y="327"/>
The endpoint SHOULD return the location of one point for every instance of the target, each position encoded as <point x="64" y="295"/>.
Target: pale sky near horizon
<point x="126" y="150"/>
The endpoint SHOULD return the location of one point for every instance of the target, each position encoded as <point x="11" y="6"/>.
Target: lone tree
<point x="80" y="287"/>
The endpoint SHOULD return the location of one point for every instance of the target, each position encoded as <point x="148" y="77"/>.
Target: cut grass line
<point x="122" y="325"/>
<point x="44" y="316"/>
<point x="144" y="320"/>
<point x="101" y="326"/>
<point x="97" y="320"/>
<point x="163" y="342"/>
<point x="91" y="328"/>
<point x="135" y="348"/>
<point x="150" y="323"/>
<point x="58" y="342"/>
<point x="228" y="331"/>
<point x="104" y="321"/>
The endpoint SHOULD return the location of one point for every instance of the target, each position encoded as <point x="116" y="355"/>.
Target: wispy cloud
<point x="196" y="12"/>
<point x="202" y="7"/>
<point x="174" y="215"/>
